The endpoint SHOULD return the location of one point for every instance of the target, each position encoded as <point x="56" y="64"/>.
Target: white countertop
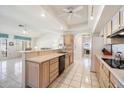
<point x="40" y="59"/>
<point x="118" y="73"/>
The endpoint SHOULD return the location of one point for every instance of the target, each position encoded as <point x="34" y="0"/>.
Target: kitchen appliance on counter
<point x="114" y="63"/>
<point x="61" y="64"/>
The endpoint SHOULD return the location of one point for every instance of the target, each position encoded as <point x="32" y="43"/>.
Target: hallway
<point x="78" y="75"/>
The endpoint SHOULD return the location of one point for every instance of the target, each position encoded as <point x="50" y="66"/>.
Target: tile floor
<point x="78" y="75"/>
<point x="10" y="73"/>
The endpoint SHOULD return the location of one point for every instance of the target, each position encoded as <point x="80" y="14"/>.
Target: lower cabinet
<point x="66" y="61"/>
<point x="44" y="75"/>
<point x="105" y="77"/>
<point x="54" y="69"/>
<point x="32" y="74"/>
<point x="37" y="75"/>
<point x="40" y="75"/>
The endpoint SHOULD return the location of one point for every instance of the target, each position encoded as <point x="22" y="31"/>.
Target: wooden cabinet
<point x="108" y="32"/>
<point x="37" y="75"/>
<point x="105" y="76"/>
<point x="109" y="28"/>
<point x="71" y="58"/>
<point x="32" y="74"/>
<point x="68" y="39"/>
<point x="122" y="17"/>
<point x="44" y="75"/>
<point x="97" y="68"/>
<point x="66" y="61"/>
<point x="54" y="69"/>
<point x="116" y="22"/>
<point x="105" y="35"/>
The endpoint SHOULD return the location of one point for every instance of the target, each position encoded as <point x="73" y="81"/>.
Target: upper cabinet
<point x="122" y="17"/>
<point x="68" y="40"/>
<point x="109" y="28"/>
<point x="108" y="32"/>
<point x="105" y="35"/>
<point x="116" y="22"/>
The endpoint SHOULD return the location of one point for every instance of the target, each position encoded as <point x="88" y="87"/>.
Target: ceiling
<point x="36" y="25"/>
<point x="12" y="16"/>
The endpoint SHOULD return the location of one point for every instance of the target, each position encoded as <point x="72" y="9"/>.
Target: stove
<point x="114" y="64"/>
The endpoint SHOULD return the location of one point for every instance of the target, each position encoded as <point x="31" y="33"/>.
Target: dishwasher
<point x="61" y="64"/>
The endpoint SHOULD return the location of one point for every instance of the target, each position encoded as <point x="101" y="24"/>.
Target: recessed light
<point x="25" y="32"/>
<point x="91" y="17"/>
<point x="122" y="33"/>
<point x="61" y="28"/>
<point x="43" y="15"/>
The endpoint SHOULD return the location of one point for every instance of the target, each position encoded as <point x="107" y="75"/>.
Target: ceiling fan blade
<point x="66" y="10"/>
<point x="69" y="16"/>
<point x="78" y="9"/>
<point x="62" y="15"/>
<point x="76" y="15"/>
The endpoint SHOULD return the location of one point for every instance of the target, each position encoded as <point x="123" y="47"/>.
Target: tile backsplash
<point x="118" y="48"/>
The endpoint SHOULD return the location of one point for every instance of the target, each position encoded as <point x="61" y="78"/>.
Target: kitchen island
<point x="41" y="71"/>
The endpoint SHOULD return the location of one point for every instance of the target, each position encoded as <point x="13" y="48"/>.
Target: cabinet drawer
<point x="53" y="75"/>
<point x="54" y="66"/>
<point x="52" y="61"/>
<point x="106" y="71"/>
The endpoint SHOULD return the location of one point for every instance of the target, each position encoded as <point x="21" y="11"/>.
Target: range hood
<point x="118" y="34"/>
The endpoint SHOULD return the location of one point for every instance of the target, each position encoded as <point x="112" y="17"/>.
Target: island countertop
<point x="43" y="58"/>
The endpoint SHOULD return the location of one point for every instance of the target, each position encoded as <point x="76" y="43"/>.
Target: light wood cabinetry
<point x="105" y="34"/>
<point x="105" y="77"/>
<point x="68" y="39"/>
<point x="68" y="43"/>
<point x="44" y="75"/>
<point x="116" y="22"/>
<point x="66" y="61"/>
<point x="97" y="68"/>
<point x="54" y="69"/>
<point x="122" y="17"/>
<point x="109" y="32"/>
<point x="40" y="75"/>
<point x="32" y="74"/>
<point x="37" y="75"/>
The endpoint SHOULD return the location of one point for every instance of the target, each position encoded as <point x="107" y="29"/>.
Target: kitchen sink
<point x="114" y="64"/>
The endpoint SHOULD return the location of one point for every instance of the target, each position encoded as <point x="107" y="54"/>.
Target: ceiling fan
<point x="71" y="11"/>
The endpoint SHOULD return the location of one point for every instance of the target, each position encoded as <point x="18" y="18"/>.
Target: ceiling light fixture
<point x="43" y="15"/>
<point x="91" y="16"/>
<point x="24" y="29"/>
<point x="61" y="28"/>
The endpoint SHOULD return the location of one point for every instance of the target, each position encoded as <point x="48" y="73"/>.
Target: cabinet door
<point x="109" y="28"/>
<point x="45" y="74"/>
<point x="68" y="39"/>
<point x="105" y="35"/>
<point x="115" y="22"/>
<point x="122" y="17"/>
<point x="32" y="74"/>
<point x="66" y="61"/>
